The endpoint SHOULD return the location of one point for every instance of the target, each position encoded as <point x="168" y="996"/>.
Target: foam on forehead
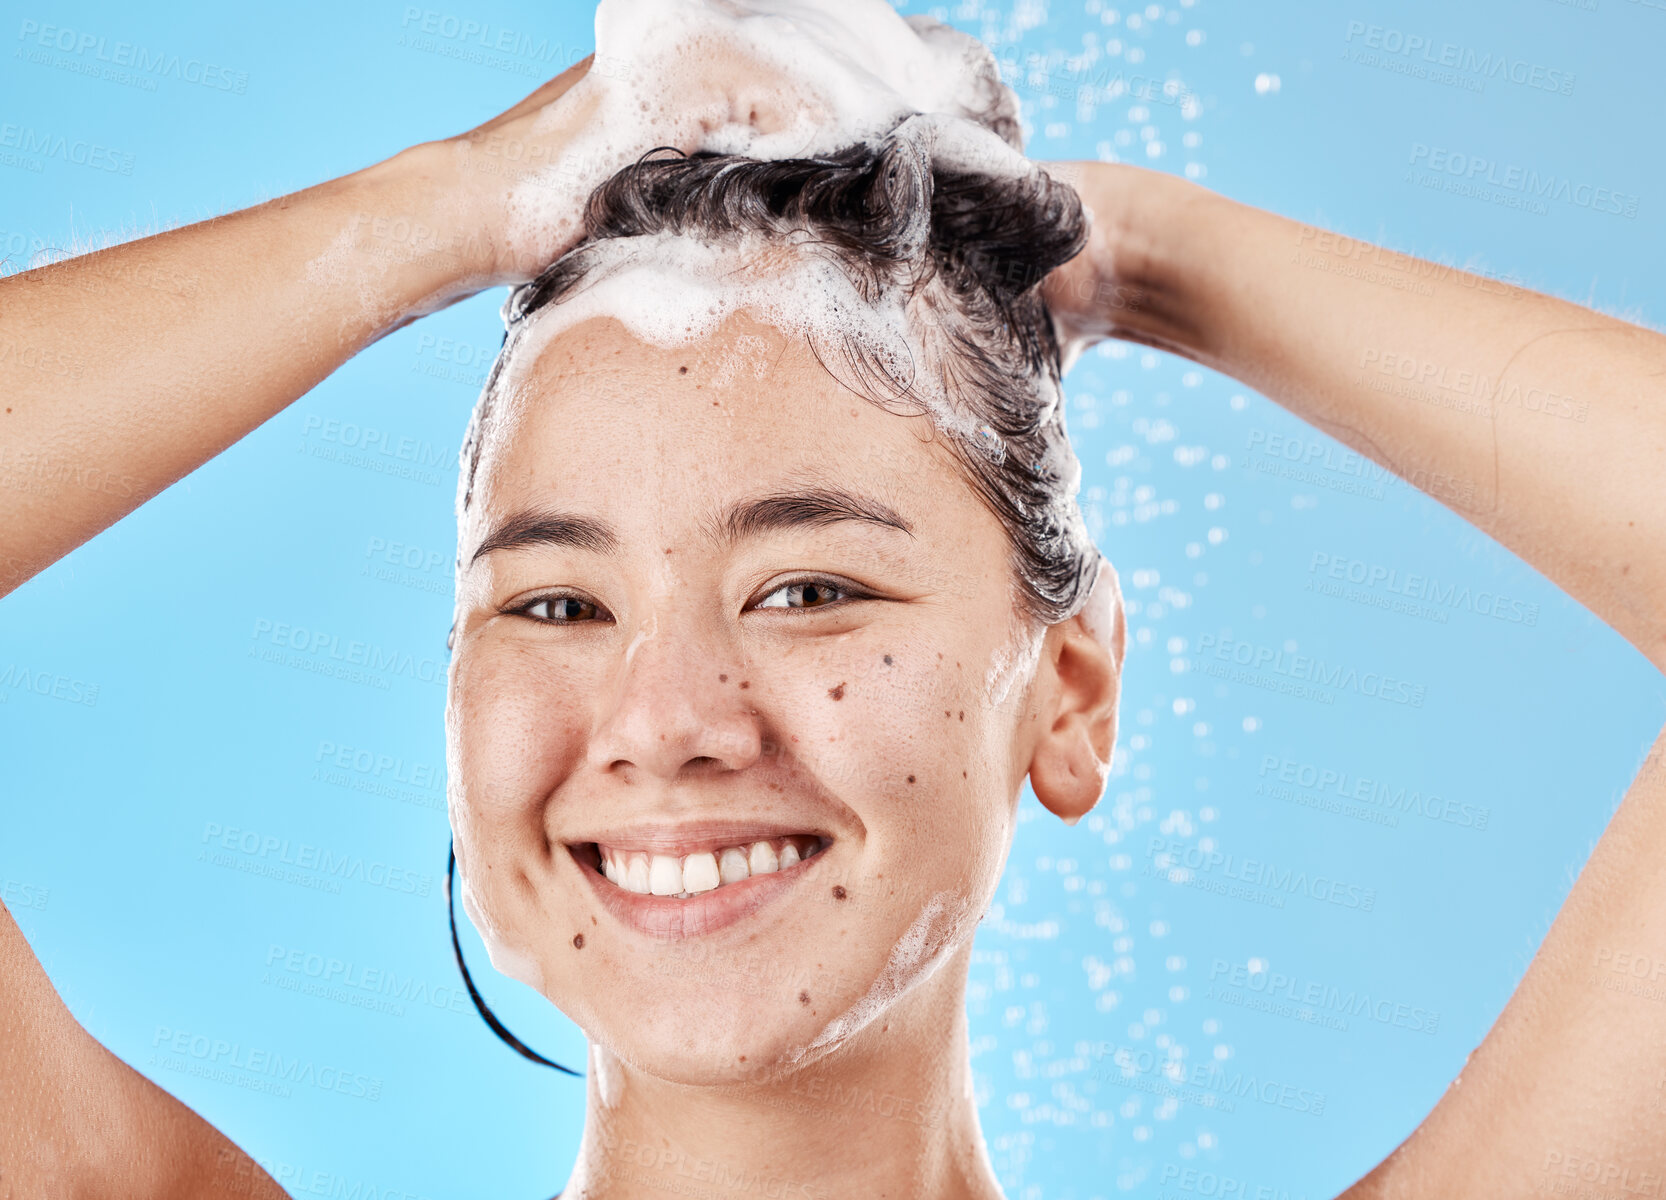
<point x="671" y="290"/>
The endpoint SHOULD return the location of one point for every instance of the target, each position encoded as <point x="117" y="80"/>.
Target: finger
<point x="548" y="93"/>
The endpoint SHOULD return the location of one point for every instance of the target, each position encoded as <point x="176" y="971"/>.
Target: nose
<point x="669" y="713"/>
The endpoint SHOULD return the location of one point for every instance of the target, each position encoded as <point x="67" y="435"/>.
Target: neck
<point x="887" y="1113"/>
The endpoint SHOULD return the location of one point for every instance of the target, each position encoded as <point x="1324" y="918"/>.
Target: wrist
<point x="1151" y="239"/>
<point x="415" y="214"/>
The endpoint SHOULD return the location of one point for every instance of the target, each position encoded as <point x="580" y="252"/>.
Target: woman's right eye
<point x="562" y="610"/>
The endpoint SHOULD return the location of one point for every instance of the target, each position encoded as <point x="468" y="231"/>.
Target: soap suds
<point x="805" y="77"/>
<point x="917" y="954"/>
<point x="749" y="356"/>
<point x="669" y="290"/>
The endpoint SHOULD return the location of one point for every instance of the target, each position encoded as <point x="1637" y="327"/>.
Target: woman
<point x="715" y="613"/>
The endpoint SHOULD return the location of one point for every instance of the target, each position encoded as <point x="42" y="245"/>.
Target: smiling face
<point x="717" y="612"/>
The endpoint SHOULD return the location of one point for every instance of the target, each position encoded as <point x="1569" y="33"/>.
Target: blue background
<point x="106" y="808"/>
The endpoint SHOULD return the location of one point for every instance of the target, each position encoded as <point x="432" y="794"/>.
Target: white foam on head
<point x="669" y="290"/>
<point x="768" y="79"/>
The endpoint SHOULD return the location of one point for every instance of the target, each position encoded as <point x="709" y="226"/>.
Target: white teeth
<point x="732" y="865"/>
<point x="636" y="874"/>
<point x="700" y="873"/>
<point x="665" y="875"/>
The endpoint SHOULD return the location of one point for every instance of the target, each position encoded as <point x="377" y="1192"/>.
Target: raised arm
<point x="128" y="368"/>
<point x="1541" y="422"/>
<point x="137" y="364"/>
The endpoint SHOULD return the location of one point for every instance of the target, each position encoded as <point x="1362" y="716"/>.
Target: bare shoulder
<point x="79" y="1121"/>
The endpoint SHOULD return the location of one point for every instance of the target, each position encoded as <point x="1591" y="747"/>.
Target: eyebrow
<point x="749" y="518"/>
<point x="545" y="528"/>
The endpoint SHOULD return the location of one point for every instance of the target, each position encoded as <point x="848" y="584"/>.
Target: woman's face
<point x="712" y="605"/>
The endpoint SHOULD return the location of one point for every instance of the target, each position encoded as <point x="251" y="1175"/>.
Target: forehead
<point x="667" y="434"/>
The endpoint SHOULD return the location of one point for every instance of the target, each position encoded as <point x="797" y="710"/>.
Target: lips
<point x="683" y="882"/>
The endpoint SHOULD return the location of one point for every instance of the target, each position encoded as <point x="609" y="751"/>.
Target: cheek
<point x="510" y="741"/>
<point x="513" y="733"/>
<point x="912" y="745"/>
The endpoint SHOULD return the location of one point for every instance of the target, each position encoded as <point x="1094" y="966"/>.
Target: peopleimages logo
<point x="1171" y="856"/>
<point x="150" y="65"/>
<point x="255" y="1068"/>
<point x="1280" y="670"/>
<point x="1427" y="52"/>
<point x="79" y="152"/>
<point x="1325" y="780"/>
<point x="268" y="854"/>
<point x="1200" y="1181"/>
<point x="1425" y="588"/>
<point x="1206" y="1083"/>
<point x="1309" y="993"/>
<point x="324" y="649"/>
<point x="364" y="986"/>
<point x="1477" y="170"/>
<point x="47" y="683"/>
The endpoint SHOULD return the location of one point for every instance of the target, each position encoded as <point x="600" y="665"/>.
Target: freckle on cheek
<point x="837" y="693"/>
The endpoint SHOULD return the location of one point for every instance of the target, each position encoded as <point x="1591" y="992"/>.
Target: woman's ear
<point x="1072" y="756"/>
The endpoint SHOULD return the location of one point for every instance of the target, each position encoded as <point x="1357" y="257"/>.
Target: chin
<point x="714" y="1038"/>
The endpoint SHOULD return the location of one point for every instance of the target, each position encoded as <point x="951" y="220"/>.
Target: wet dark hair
<point x="968" y="251"/>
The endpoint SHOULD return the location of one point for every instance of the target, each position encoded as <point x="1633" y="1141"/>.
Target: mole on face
<point x="887" y="660"/>
<point x="837" y="693"/>
<point x="578" y="941"/>
<point x="911" y="779"/>
<point x="682" y="370"/>
<point x="804" y="997"/>
<point x="839" y="892"/>
<point x="723" y="679"/>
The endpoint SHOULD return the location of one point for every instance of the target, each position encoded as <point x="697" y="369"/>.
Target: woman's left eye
<point x="809" y="593"/>
<point x="561" y="610"/>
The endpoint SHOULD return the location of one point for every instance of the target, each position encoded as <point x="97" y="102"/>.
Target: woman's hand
<point x="514" y="146"/>
<point x="696" y="75"/>
<point x="520" y="180"/>
<point x="1112" y="289"/>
